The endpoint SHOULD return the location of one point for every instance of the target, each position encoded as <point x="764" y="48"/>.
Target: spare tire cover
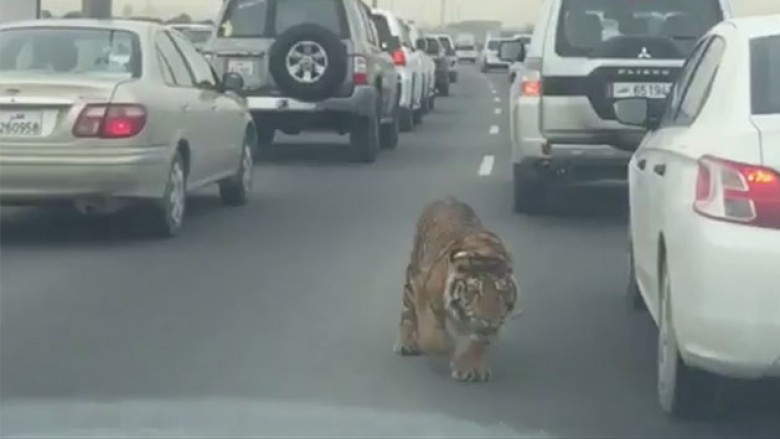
<point x="308" y="62"/>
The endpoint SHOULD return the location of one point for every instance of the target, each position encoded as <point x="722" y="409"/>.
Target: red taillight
<point x="115" y="121"/>
<point x="738" y="192"/>
<point x="531" y="83"/>
<point x="399" y="57"/>
<point x="360" y="72"/>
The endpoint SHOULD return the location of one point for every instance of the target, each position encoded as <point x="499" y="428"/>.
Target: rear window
<point x="445" y="42"/>
<point x="633" y="29"/>
<point x="765" y="83"/>
<point x="383" y="29"/>
<point x="79" y="51"/>
<point x="268" y="18"/>
<point x="433" y="44"/>
<point x="493" y="44"/>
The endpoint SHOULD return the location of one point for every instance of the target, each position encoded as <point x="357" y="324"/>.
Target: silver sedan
<point x="108" y="114"/>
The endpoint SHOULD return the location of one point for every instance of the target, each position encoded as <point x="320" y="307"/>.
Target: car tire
<point x="165" y="216"/>
<point x="388" y="135"/>
<point x="634" y="298"/>
<point x="529" y="195"/>
<point x="235" y="190"/>
<point x="417" y="117"/>
<point x="683" y="392"/>
<point x="364" y="138"/>
<point x="444" y="89"/>
<point x="265" y="136"/>
<point x="405" y="120"/>
<point x="432" y="103"/>
<point x="453" y="77"/>
<point x="325" y="46"/>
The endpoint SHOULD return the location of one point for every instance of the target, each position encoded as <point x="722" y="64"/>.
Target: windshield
<point x="197" y="36"/>
<point x="589" y="26"/>
<point x="765" y="71"/>
<point x="79" y="51"/>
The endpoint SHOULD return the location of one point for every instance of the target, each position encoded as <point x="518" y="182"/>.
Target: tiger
<point x="460" y="289"/>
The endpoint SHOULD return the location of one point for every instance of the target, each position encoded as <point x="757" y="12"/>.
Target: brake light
<point x="531" y="84"/>
<point x="360" y="72"/>
<point x="738" y="192"/>
<point x="399" y="57"/>
<point x="115" y="121"/>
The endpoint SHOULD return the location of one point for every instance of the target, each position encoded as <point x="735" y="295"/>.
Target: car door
<point x="666" y="154"/>
<point x="381" y="60"/>
<point x="640" y="199"/>
<point x="221" y="114"/>
<point x="184" y="105"/>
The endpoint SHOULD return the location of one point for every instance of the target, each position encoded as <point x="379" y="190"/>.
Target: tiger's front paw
<point x="470" y="371"/>
<point x="406" y="349"/>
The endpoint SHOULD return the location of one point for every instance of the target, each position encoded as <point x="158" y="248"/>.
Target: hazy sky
<point x="512" y="12"/>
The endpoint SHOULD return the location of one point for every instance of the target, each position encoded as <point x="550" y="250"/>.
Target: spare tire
<point x="308" y="62"/>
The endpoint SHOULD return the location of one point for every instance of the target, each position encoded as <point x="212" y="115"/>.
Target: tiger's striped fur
<point x="459" y="289"/>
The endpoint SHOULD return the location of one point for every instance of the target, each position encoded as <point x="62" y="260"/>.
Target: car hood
<point x="231" y="418"/>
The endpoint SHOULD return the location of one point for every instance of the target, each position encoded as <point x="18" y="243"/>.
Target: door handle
<point x="660" y="169"/>
<point x="641" y="164"/>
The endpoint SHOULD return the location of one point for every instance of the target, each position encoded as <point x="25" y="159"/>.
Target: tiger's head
<point x="481" y="291"/>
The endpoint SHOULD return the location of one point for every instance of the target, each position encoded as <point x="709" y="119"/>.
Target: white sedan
<point x="705" y="215"/>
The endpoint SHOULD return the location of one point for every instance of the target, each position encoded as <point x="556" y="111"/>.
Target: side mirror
<point x="521" y="55"/>
<point x="511" y="51"/>
<point x="633" y="111"/>
<point x="232" y="81"/>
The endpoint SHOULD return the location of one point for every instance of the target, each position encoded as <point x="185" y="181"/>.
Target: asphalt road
<point x="296" y="296"/>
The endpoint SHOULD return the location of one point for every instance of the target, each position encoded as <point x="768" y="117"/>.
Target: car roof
<point x="758" y="26"/>
<point x="137" y="26"/>
<point x="191" y="26"/>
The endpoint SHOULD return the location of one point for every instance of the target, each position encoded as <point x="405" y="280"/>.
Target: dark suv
<point x="310" y="65"/>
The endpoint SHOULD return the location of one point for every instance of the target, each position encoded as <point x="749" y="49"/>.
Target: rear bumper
<point x="32" y="178"/>
<point x="577" y="165"/>
<point x="726" y="305"/>
<point x="361" y="103"/>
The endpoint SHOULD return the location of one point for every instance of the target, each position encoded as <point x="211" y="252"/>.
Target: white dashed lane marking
<point x="498" y="111"/>
<point x="494" y="129"/>
<point x="497" y="100"/>
<point x="486" y="167"/>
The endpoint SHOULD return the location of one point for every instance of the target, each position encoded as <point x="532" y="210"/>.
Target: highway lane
<point x="295" y="297"/>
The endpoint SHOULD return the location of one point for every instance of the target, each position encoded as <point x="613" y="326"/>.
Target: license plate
<point x="20" y="123"/>
<point x="245" y="68"/>
<point x="652" y="90"/>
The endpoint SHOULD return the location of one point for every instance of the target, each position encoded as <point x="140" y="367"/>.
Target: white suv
<point x="584" y="55"/>
<point x="410" y="64"/>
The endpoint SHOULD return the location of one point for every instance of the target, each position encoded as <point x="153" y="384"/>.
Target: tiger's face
<point x="481" y="293"/>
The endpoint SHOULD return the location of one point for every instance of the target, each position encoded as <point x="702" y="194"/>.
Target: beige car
<point x="107" y="114"/>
